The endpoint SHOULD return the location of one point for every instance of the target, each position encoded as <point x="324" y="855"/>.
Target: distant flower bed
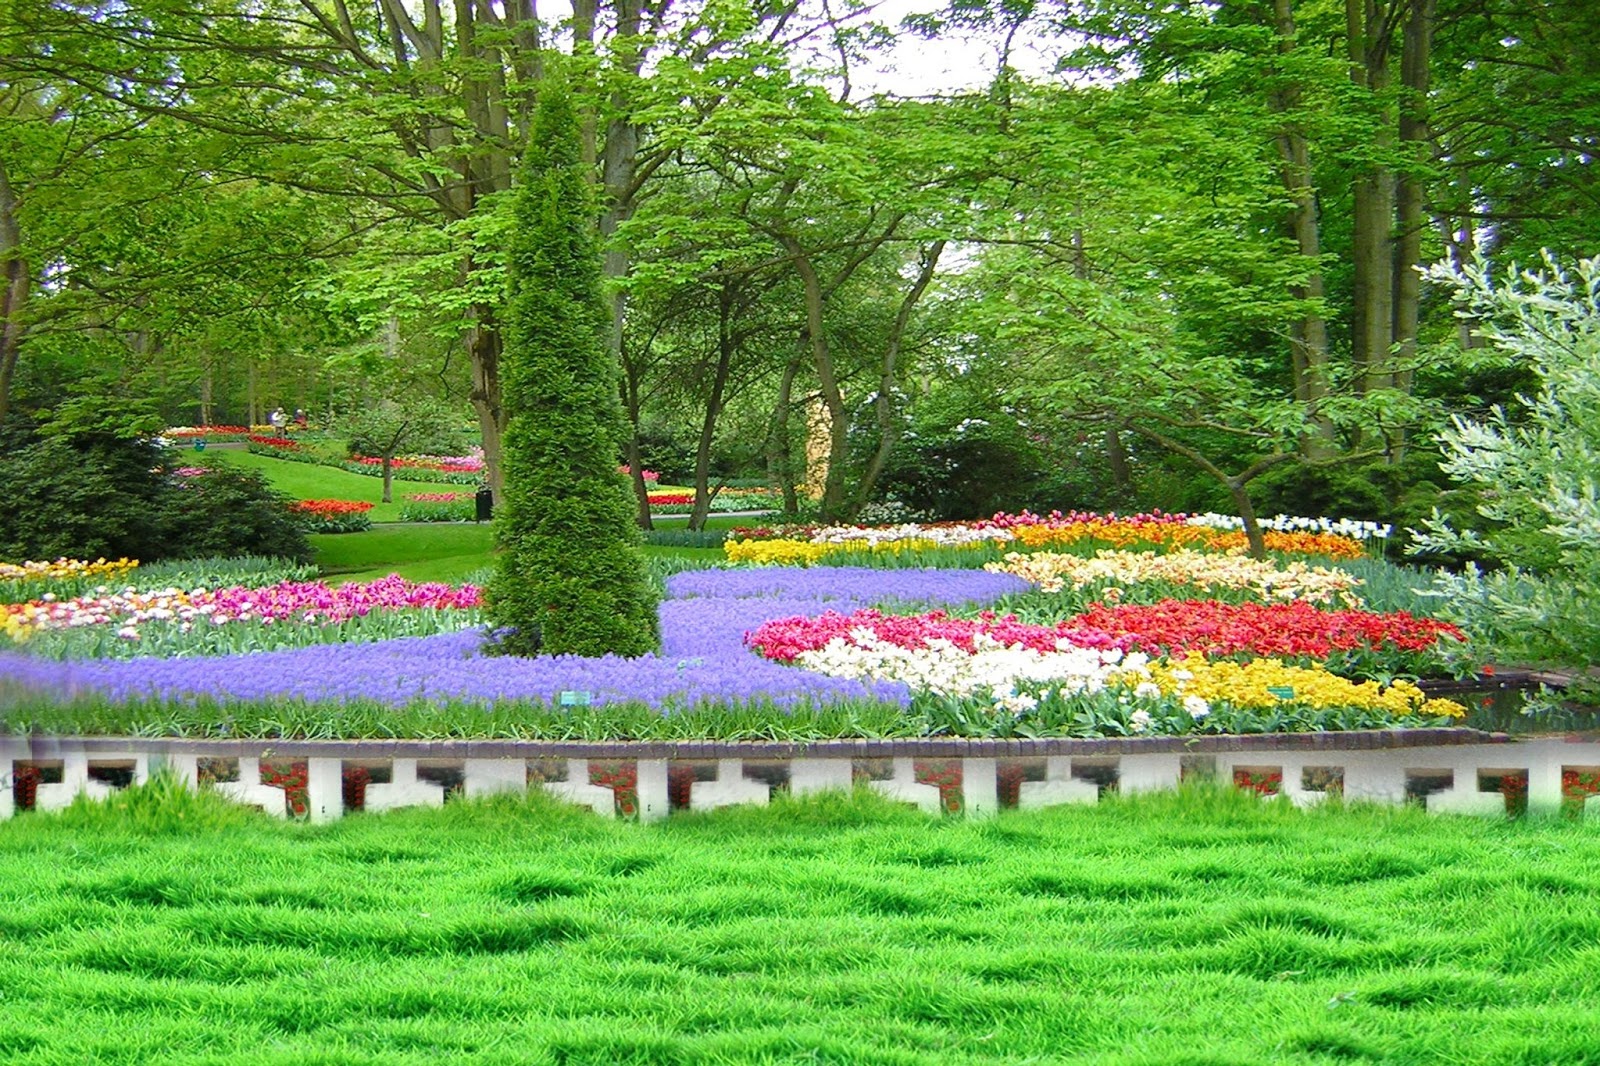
<point x="439" y="497"/>
<point x="206" y="433"/>
<point x="334" y="516"/>
<point x="807" y="545"/>
<point x="266" y="441"/>
<point x="461" y="510"/>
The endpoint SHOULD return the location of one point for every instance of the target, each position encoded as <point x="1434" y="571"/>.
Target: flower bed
<point x="199" y="621"/>
<point x="210" y="434"/>
<point x="334" y="516"/>
<point x="1108" y="570"/>
<point x="928" y="673"/>
<point x="809" y="545"/>
<point x="21" y="582"/>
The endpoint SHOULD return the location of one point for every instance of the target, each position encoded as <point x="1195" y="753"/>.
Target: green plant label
<point x="1283" y="692"/>
<point x="582" y="698"/>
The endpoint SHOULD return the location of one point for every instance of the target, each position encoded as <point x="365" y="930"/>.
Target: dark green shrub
<point x="572" y="576"/>
<point x="82" y="497"/>
<point x="232" y="512"/>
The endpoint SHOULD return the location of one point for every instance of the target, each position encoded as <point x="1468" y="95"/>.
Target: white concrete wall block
<point x="903" y="787"/>
<point x="1374" y="778"/>
<point x="1146" y="773"/>
<point x="403" y="789"/>
<point x="325" y="789"/>
<point x="730" y="787"/>
<point x="819" y="775"/>
<point x="485" y="777"/>
<point x="184" y="767"/>
<point x="652" y="786"/>
<point x="576" y="789"/>
<point x="980" y="788"/>
<point x="1051" y="793"/>
<point x="250" y="791"/>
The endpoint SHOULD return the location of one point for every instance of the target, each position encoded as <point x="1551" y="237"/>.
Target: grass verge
<point x="307" y="481"/>
<point x="1197" y="928"/>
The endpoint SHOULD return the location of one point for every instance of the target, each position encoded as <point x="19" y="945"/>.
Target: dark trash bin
<point x="485" y="503"/>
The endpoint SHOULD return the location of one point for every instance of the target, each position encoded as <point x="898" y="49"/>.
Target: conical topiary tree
<point x="571" y="576"/>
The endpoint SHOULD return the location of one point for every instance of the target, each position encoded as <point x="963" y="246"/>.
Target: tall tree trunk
<point x="207" y="386"/>
<point x="483" y="345"/>
<point x="388" y="477"/>
<point x="884" y="406"/>
<point x="1416" y="44"/>
<point x="1372" y="251"/>
<point x="708" y="424"/>
<point x="780" y="467"/>
<point x="1308" y="339"/>
<point x="18" y="281"/>
<point x="828" y="383"/>
<point x="632" y="404"/>
<point x="1117" y="459"/>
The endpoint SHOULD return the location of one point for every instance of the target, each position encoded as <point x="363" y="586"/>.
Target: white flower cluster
<point x="944" y="536"/>
<point x="1344" y="527"/>
<point x="993" y="669"/>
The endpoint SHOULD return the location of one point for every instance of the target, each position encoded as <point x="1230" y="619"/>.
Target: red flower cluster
<point x="273" y="442"/>
<point x="333" y="508"/>
<point x="1277" y="629"/>
<point x="784" y="638"/>
<point x="1269" y="783"/>
<point x="672" y="498"/>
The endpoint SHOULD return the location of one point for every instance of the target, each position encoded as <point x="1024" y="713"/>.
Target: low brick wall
<point x="1459" y="770"/>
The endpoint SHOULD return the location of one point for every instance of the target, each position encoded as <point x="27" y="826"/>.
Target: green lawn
<point x="306" y="481"/>
<point x="439" y="551"/>
<point x="1200" y="929"/>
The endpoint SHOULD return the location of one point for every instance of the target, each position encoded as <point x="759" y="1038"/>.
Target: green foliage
<point x="233" y="512"/>
<point x="1534" y="469"/>
<point x="412" y="424"/>
<point x="571" y="577"/>
<point x="84" y="497"/>
<point x="90" y="495"/>
<point x="1401" y="495"/>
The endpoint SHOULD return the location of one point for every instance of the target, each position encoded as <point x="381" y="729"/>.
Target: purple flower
<point x="703" y="657"/>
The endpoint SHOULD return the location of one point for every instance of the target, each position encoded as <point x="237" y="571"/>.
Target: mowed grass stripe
<point x="1201" y="928"/>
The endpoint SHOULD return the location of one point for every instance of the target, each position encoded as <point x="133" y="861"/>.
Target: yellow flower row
<point x="1052" y="571"/>
<point x="65" y="568"/>
<point x="1173" y="535"/>
<point x="1252" y="684"/>
<point x="805" y="553"/>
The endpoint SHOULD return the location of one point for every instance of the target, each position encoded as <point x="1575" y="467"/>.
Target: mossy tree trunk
<point x="571" y="576"/>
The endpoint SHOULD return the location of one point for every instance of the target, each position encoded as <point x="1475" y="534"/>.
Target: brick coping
<point x="41" y="747"/>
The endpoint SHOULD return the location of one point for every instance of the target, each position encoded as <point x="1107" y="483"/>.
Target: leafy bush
<point x="1534" y="469"/>
<point x="83" y="497"/>
<point x="233" y="512"/>
<point x="572" y="575"/>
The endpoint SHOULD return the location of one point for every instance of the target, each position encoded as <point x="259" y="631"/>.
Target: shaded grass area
<point x="1198" y="928"/>
<point x="439" y="552"/>
<point x="307" y="481"/>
